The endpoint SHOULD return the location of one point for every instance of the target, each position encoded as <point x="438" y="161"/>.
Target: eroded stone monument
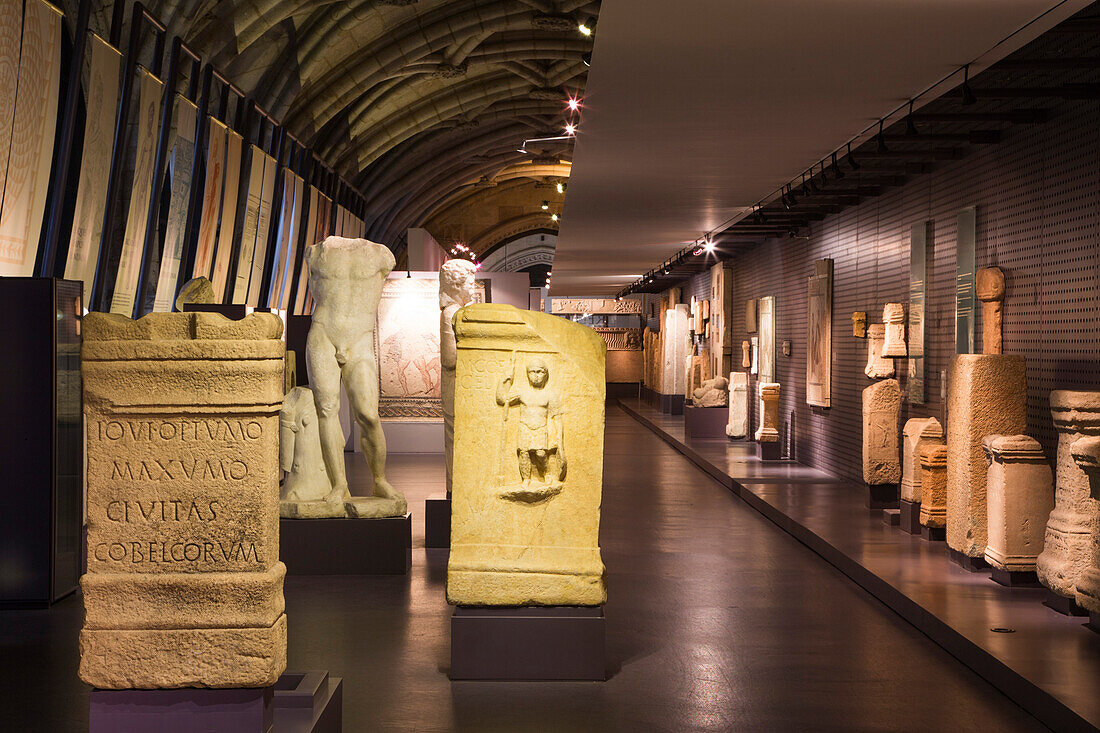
<point x="746" y="354"/>
<point x="184" y="587"/>
<point x="1086" y="454"/>
<point x="713" y="393"/>
<point x="768" y="431"/>
<point x="345" y="279"/>
<point x="677" y="346"/>
<point x="1019" y="498"/>
<point x="878" y="366"/>
<point x="989" y="287"/>
<point x="881" y="411"/>
<point x="738" y="425"/>
<point x="456" y="290"/>
<point x="918" y="433"/>
<point x="307" y="483"/>
<point x="859" y="324"/>
<point x="529" y="418"/>
<point x="893" y="319"/>
<point x="933" y="489"/>
<point x="987" y="395"/>
<point x="1067" y="545"/>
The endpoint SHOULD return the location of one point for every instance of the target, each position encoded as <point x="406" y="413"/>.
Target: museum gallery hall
<point x="549" y="365"/>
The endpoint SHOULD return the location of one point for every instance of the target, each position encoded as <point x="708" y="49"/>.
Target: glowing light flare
<point x="585" y="29"/>
<point x="553" y="217"/>
<point x="570" y="129"/>
<point x="574" y="104"/>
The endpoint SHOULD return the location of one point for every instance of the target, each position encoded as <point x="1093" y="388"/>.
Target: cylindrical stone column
<point x="1068" y="542"/>
<point x="1019" y="497"/>
<point x="1086" y="453"/>
<point x="184" y="585"/>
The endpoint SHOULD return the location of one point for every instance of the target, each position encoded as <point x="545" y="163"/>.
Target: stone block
<point x="917" y="433"/>
<point x="893" y="319"/>
<point x="768" y="432"/>
<point x="1019" y="498"/>
<point x="881" y="411"/>
<point x="878" y="366"/>
<point x="738" y="425"/>
<point x="933" y="486"/>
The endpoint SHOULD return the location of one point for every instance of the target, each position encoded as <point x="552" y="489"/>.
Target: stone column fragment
<point x="859" y="324"/>
<point x="768" y="432"/>
<point x="528" y="471"/>
<point x="184" y="586"/>
<point x="989" y="287"/>
<point x="917" y="433"/>
<point x="1067" y="545"/>
<point x="738" y="425"/>
<point x="881" y="411"/>
<point x="676" y="344"/>
<point x="746" y="354"/>
<point x="878" y="366"/>
<point x="1086" y="454"/>
<point x="933" y="486"/>
<point x="893" y="318"/>
<point x="986" y="395"/>
<point x="1019" y="496"/>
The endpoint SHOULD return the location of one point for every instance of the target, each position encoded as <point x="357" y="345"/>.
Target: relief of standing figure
<point x="540" y="447"/>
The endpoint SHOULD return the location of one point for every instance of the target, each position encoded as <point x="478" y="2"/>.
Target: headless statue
<point x="456" y="289"/>
<point x="306" y="485"/>
<point x="345" y="279"/>
<point x="540" y="448"/>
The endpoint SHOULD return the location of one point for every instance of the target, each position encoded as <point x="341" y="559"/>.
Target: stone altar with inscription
<point x="768" y="432"/>
<point x="881" y="411"/>
<point x="878" y="366"/>
<point x="1020" y="495"/>
<point x="918" y="433"/>
<point x="893" y="320"/>
<point x="1067" y="545"/>
<point x="987" y="395"/>
<point x="738" y="425"/>
<point x="456" y="290"/>
<point x="184" y="587"/>
<point x="933" y="486"/>
<point x="529" y="421"/>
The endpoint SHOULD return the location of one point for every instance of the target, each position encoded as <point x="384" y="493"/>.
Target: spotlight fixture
<point x="570" y="129"/>
<point x="586" y="58"/>
<point x="837" y="173"/>
<point x="545" y="205"/>
<point x="968" y="93"/>
<point x="881" y="140"/>
<point x="910" y="128"/>
<point x="852" y="161"/>
<point x="587" y="26"/>
<point x="560" y="188"/>
<point x="553" y="217"/>
<point x="708" y="245"/>
<point x="573" y="104"/>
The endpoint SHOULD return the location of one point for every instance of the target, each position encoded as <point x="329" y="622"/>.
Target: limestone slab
<point x="184" y="582"/>
<point x="859" y="324"/>
<point x="917" y="433"/>
<point x="986" y="395"/>
<point x="893" y="318"/>
<point x="878" y="366"/>
<point x="738" y="425"/>
<point x="881" y="411"/>
<point x="676" y="345"/>
<point x="529" y="419"/>
<point x="1019" y="498"/>
<point x="1067" y="544"/>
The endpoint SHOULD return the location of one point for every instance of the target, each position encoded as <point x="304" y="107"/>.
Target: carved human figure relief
<point x="539" y="445"/>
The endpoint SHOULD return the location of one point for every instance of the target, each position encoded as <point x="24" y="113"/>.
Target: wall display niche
<point x="918" y="265"/>
<point x="819" y="334"/>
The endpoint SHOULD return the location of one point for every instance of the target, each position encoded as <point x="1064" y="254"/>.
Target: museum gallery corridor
<point x="717" y="620"/>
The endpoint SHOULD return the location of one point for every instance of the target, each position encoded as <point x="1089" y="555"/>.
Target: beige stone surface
<point x="306" y="484"/>
<point x="456" y="289"/>
<point x="893" y="318"/>
<point x="859" y="324"/>
<point x="713" y="393"/>
<point x="989" y="287"/>
<point x="750" y="316"/>
<point x="1019" y="498"/>
<point x="768" y="432"/>
<point x="1067" y="544"/>
<point x="746" y="355"/>
<point x="881" y="412"/>
<point x="933" y="486"/>
<point x="917" y="433"/>
<point x="624" y="367"/>
<point x="986" y="395"/>
<point x="878" y="366"/>
<point x="721" y="318"/>
<point x="529" y="420"/>
<point x="1086" y="454"/>
<point x="197" y="290"/>
<point x="738" y="424"/>
<point x="676" y="347"/>
<point x="184" y="583"/>
<point x="698" y="372"/>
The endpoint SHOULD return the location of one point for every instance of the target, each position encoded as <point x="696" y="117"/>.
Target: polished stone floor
<point x="717" y="621"/>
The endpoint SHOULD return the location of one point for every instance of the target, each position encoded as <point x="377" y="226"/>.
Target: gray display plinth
<point x="705" y="422"/>
<point x="437" y="522"/>
<point x="346" y="546"/>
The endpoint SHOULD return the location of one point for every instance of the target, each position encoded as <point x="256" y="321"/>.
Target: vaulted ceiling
<point x="413" y="101"/>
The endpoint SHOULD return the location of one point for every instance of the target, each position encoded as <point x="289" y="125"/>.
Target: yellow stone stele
<point x="184" y="586"/>
<point x="528" y="461"/>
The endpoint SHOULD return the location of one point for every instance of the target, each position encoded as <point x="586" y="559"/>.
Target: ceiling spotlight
<point x="586" y="58"/>
<point x="881" y="140"/>
<point x="968" y="93"/>
<point x="560" y="187"/>
<point x="574" y="104"/>
<point x="587" y="26"/>
<point x="708" y="245"/>
<point x="570" y="128"/>
<point x="553" y="217"/>
<point x="910" y="128"/>
<point x="852" y="161"/>
<point x="618" y="298"/>
<point x="545" y="205"/>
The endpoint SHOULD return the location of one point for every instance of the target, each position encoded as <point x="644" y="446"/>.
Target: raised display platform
<point x="671" y="404"/>
<point x="910" y="516"/>
<point x="346" y="546"/>
<point x="1046" y="662"/>
<point x="437" y="522"/>
<point x="706" y="422"/>
<point x="536" y="643"/>
<point x="309" y="702"/>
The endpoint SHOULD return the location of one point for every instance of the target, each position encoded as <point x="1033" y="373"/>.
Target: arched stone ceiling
<point x="411" y="100"/>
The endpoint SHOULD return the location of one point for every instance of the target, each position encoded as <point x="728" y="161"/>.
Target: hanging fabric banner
<point x="11" y="24"/>
<point x="104" y="66"/>
<point x="263" y="231"/>
<point x="30" y="155"/>
<point x="211" y="199"/>
<point x="284" y="251"/>
<point x="295" y="235"/>
<point x="133" y="241"/>
<point x="311" y="233"/>
<point x="182" y="155"/>
<point x="251" y="220"/>
<point x="233" y="147"/>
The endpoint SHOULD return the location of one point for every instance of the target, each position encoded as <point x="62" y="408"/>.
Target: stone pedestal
<point x="987" y="395"/>
<point x="768" y="432"/>
<point x="184" y="585"/>
<point x="918" y="433"/>
<point x="881" y="411"/>
<point x="528" y="471"/>
<point x="738" y="425"/>
<point x="1019" y="497"/>
<point x="1086" y="454"/>
<point x="437" y="522"/>
<point x="1067" y="545"/>
<point x="893" y="319"/>
<point x="878" y="366"/>
<point x="933" y="487"/>
<point x="704" y="423"/>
